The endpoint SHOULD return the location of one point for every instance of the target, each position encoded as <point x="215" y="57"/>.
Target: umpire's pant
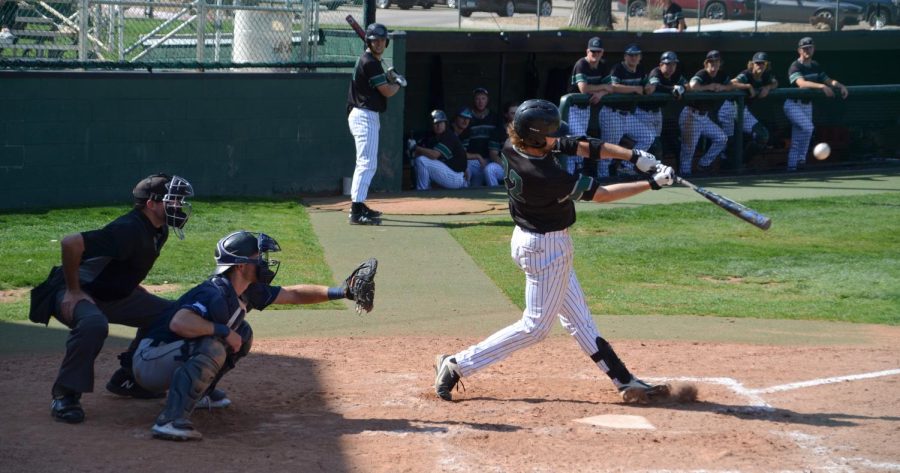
<point x="89" y="328"/>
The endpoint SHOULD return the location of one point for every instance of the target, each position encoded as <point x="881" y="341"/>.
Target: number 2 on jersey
<point x="513" y="181"/>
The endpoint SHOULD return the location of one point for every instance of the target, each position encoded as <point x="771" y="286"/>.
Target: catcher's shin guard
<point x="191" y="381"/>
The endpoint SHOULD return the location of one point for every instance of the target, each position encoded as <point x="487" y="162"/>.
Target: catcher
<point x="202" y="337"/>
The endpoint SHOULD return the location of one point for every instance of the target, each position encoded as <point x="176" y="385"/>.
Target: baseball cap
<point x="464" y="112"/>
<point x="479" y="90"/>
<point x="152" y="187"/>
<point x="761" y="57"/>
<point x="713" y="55"/>
<point x="805" y="42"/>
<point x="632" y="49"/>
<point x="668" y="57"/>
<point x="438" y="116"/>
<point x="595" y="44"/>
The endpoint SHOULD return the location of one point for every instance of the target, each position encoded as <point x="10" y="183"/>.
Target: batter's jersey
<point x="118" y="256"/>
<point x="621" y="75"/>
<point x="583" y="72"/>
<point x="673" y="16"/>
<point x="663" y="85"/>
<point x="453" y="153"/>
<point x="703" y="78"/>
<point x="812" y="72"/>
<point x="368" y="74"/>
<point x="746" y="77"/>
<point x="480" y="131"/>
<point x="541" y="193"/>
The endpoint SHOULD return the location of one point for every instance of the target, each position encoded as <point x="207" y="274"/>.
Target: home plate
<point x="618" y="422"/>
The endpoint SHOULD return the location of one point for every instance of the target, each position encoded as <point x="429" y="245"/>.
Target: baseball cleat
<point x="179" y="430"/>
<point x="67" y="409"/>
<point x="362" y="219"/>
<point x="216" y="399"/>
<point x="122" y="383"/>
<point x="637" y="391"/>
<point x="446" y="376"/>
<point x="371" y="213"/>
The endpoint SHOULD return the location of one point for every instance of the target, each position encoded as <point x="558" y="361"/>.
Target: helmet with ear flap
<point x="535" y="120"/>
<point x="377" y="30"/>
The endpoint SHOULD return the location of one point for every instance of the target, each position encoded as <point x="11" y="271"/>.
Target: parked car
<point x="875" y="12"/>
<point x="333" y="4"/>
<point x="800" y="11"/>
<point x="404" y="4"/>
<point x="713" y="9"/>
<point x="505" y="7"/>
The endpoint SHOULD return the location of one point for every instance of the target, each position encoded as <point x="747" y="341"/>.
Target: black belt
<point x="699" y="112"/>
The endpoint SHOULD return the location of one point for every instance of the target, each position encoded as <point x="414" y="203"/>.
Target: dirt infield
<point x="366" y="404"/>
<point x="415" y="205"/>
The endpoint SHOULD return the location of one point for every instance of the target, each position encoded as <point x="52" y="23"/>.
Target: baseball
<point x="822" y="151"/>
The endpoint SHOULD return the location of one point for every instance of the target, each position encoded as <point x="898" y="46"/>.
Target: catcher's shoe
<point x="215" y="399"/>
<point x="446" y="376"/>
<point x="637" y="391"/>
<point x="179" y="429"/>
<point x="122" y="383"/>
<point x="371" y="213"/>
<point x="363" y="219"/>
<point x="67" y="409"/>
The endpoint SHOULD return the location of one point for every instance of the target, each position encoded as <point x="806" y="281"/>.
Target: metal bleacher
<point x="43" y="30"/>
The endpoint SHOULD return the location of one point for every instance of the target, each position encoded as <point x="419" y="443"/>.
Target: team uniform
<point x="580" y="116"/>
<point x="619" y="119"/>
<point x="799" y="111"/>
<point x="751" y="124"/>
<point x="651" y="112"/>
<point x="448" y="171"/>
<point x="365" y="103"/>
<point x="695" y="122"/>
<point x="672" y="16"/>
<point x="478" y="136"/>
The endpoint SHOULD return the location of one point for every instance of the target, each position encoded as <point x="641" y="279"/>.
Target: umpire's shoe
<point x="123" y="384"/>
<point x="67" y="408"/>
<point x="637" y="391"/>
<point x="178" y="429"/>
<point x="446" y="376"/>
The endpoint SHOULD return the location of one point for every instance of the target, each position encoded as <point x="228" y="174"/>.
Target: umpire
<point x="99" y="282"/>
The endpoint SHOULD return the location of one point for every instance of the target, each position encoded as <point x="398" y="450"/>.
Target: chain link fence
<point x="198" y="33"/>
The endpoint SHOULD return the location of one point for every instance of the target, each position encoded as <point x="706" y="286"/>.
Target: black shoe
<point x="445" y="376"/>
<point x="67" y="409"/>
<point x="362" y="219"/>
<point x="122" y="383"/>
<point x="370" y="212"/>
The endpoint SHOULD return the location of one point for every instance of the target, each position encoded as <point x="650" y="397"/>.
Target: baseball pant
<point x="90" y="327"/>
<point x="800" y="116"/>
<point x="432" y="170"/>
<point x="578" y="120"/>
<point x="614" y="124"/>
<point x="695" y="124"/>
<point x="493" y="174"/>
<point x="476" y="173"/>
<point x="364" y="126"/>
<point x="652" y="119"/>
<point x="551" y="291"/>
<point x="728" y="115"/>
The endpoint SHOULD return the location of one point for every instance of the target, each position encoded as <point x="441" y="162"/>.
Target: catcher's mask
<point x="243" y="247"/>
<point x="173" y="192"/>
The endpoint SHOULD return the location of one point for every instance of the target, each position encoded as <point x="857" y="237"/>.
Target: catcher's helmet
<point x="243" y="247"/>
<point x="438" y="116"/>
<point x="377" y="30"/>
<point x="535" y="120"/>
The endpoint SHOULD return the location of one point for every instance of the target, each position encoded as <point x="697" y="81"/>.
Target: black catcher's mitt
<point x="361" y="285"/>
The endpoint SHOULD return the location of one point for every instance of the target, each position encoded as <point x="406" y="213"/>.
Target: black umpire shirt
<point x="368" y="74"/>
<point x="118" y="256"/>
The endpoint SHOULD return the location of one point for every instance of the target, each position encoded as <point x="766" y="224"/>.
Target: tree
<point x="592" y="14"/>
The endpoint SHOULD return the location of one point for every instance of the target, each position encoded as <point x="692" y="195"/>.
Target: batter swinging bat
<point x="738" y="210"/>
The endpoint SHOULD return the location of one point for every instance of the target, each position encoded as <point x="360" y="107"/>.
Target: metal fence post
<point x="201" y="31"/>
<point x="83" y="14"/>
<point x="739" y="135"/>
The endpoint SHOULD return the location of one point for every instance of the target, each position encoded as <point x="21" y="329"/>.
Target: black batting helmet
<point x="535" y="120"/>
<point x="377" y="30"/>
<point x="438" y="116"/>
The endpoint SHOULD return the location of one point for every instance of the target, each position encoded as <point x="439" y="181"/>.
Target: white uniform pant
<point x="578" y="120"/>
<point x="432" y="170"/>
<point x="800" y="116"/>
<point x="728" y="115"/>
<point x="694" y="125"/>
<point x="615" y="124"/>
<point x="364" y="126"/>
<point x="551" y="291"/>
<point x="653" y="120"/>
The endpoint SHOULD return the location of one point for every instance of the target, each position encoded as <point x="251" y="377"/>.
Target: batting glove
<point x="663" y="176"/>
<point x="644" y="161"/>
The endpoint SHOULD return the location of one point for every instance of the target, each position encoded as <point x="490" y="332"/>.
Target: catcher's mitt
<point x="361" y="285"/>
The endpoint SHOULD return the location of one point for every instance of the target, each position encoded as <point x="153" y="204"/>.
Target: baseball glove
<point x="361" y="285"/>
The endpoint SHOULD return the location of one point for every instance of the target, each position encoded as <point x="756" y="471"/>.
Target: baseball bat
<point x="740" y="211"/>
<point x="356" y="27"/>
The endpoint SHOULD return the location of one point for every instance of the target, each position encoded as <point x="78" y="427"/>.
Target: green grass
<point x="31" y="245"/>
<point x="824" y="259"/>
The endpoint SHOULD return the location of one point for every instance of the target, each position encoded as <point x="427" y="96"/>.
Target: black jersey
<point x="119" y="256"/>
<point x="746" y="77"/>
<point x="453" y="153"/>
<point x="663" y="85"/>
<point x="621" y="75"/>
<point x="541" y="193"/>
<point x="498" y="139"/>
<point x="672" y="16"/>
<point x="703" y="78"/>
<point x="368" y="74"/>
<point x="583" y="72"/>
<point x="812" y="72"/>
<point x="480" y="131"/>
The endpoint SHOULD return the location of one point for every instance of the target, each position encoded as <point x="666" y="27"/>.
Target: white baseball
<point x="822" y="151"/>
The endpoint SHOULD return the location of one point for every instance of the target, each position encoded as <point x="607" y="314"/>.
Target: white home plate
<point x="618" y="422"/>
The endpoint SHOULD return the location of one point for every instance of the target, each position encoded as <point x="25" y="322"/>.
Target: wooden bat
<point x="740" y="211"/>
<point x="356" y="27"/>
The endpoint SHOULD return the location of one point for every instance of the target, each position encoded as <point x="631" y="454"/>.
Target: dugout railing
<point x="863" y="129"/>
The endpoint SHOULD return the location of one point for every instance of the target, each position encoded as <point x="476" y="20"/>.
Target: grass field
<point x="824" y="259"/>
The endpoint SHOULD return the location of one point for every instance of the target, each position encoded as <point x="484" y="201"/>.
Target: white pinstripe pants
<point x="578" y="120"/>
<point x="431" y="170"/>
<point x="728" y="115"/>
<point x="364" y="126"/>
<point x="800" y="115"/>
<point x="693" y="126"/>
<point x="551" y="290"/>
<point x="614" y="125"/>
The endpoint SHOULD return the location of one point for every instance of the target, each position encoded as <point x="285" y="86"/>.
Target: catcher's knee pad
<point x="192" y="379"/>
<point x="609" y="362"/>
<point x="760" y="134"/>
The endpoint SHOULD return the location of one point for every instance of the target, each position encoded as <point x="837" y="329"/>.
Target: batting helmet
<point x="377" y="30"/>
<point x="243" y="247"/>
<point x="535" y="120"/>
<point x="438" y="116"/>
